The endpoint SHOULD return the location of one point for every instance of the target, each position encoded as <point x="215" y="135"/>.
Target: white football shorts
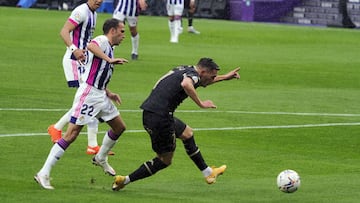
<point x="90" y="103"/>
<point x="175" y="10"/>
<point x="132" y="20"/>
<point x="72" y="70"/>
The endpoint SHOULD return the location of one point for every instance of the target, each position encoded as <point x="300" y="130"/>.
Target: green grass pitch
<point x="296" y="107"/>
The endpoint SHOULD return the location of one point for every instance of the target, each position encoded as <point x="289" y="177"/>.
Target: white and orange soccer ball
<point x="288" y="181"/>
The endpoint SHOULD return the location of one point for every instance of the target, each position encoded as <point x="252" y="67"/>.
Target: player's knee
<point x="167" y="162"/>
<point x="166" y="158"/>
<point x="187" y="134"/>
<point x="155" y="165"/>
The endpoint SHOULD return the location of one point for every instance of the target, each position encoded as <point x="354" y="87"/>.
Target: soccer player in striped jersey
<point x="93" y="100"/>
<point x="128" y="10"/>
<point x="163" y="127"/>
<point x="174" y="10"/>
<point x="76" y="34"/>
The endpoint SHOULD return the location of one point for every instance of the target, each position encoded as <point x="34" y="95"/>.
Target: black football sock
<point x="147" y="169"/>
<point x="190" y="19"/>
<point x="194" y="153"/>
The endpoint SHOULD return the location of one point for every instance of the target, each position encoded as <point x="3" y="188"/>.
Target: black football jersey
<point x="168" y="93"/>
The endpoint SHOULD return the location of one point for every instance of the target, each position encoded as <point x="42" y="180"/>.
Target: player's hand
<point x="207" y="104"/>
<point x="233" y="74"/>
<point x="115" y="97"/>
<point x="118" y="61"/>
<point x="143" y="5"/>
<point x="80" y="55"/>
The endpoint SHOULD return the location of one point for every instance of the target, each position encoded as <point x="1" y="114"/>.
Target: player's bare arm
<point x="96" y="50"/>
<point x="228" y="76"/>
<point x="189" y="89"/>
<point x="65" y="35"/>
<point x="118" y="61"/>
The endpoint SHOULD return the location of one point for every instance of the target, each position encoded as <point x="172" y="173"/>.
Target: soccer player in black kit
<point x="164" y="128"/>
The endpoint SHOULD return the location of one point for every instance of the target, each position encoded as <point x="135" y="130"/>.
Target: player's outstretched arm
<point x="118" y="61"/>
<point x="234" y="74"/>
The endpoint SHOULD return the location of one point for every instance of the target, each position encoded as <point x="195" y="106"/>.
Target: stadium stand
<point x="219" y="9"/>
<point x="335" y="13"/>
<point x="204" y="9"/>
<point x="260" y="10"/>
<point x="155" y="8"/>
<point x="44" y="4"/>
<point x="7" y="3"/>
<point x="338" y="13"/>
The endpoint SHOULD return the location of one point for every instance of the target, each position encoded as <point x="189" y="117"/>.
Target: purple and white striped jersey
<point x="98" y="71"/>
<point x="84" y="20"/>
<point x="128" y="7"/>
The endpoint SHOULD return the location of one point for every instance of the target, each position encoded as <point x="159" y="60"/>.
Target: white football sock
<point x="135" y="44"/>
<point x="63" y="120"/>
<point x="177" y="25"/>
<point x="127" y="180"/>
<point x="171" y="28"/>
<point x="92" y="130"/>
<point x="206" y="172"/>
<point x="106" y="146"/>
<point x="55" y="154"/>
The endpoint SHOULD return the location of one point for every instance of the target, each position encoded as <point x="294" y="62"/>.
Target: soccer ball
<point x="288" y="181"/>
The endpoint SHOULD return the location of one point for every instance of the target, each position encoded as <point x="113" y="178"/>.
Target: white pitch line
<point x="216" y="129"/>
<point x="279" y="126"/>
<point x="206" y="111"/>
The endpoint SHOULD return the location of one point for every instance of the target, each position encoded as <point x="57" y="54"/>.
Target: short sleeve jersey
<point x="98" y="71"/>
<point x="168" y="93"/>
<point x="84" y="21"/>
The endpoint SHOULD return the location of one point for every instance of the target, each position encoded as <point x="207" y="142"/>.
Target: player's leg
<point x="170" y="13"/>
<point x="92" y="130"/>
<point x="185" y="133"/>
<point x="178" y="10"/>
<point x="55" y="130"/>
<point x="145" y="170"/>
<point x="56" y="152"/>
<point x="163" y="143"/>
<point x="171" y="24"/>
<point x="83" y="98"/>
<point x="110" y="114"/>
<point x="135" y="36"/>
<point x="60" y="4"/>
<point x="72" y="75"/>
<point x="190" y="15"/>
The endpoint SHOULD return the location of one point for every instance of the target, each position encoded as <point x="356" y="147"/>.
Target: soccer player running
<point x="174" y="9"/>
<point x="93" y="100"/>
<point x="76" y="33"/>
<point x="128" y="10"/>
<point x="164" y="128"/>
